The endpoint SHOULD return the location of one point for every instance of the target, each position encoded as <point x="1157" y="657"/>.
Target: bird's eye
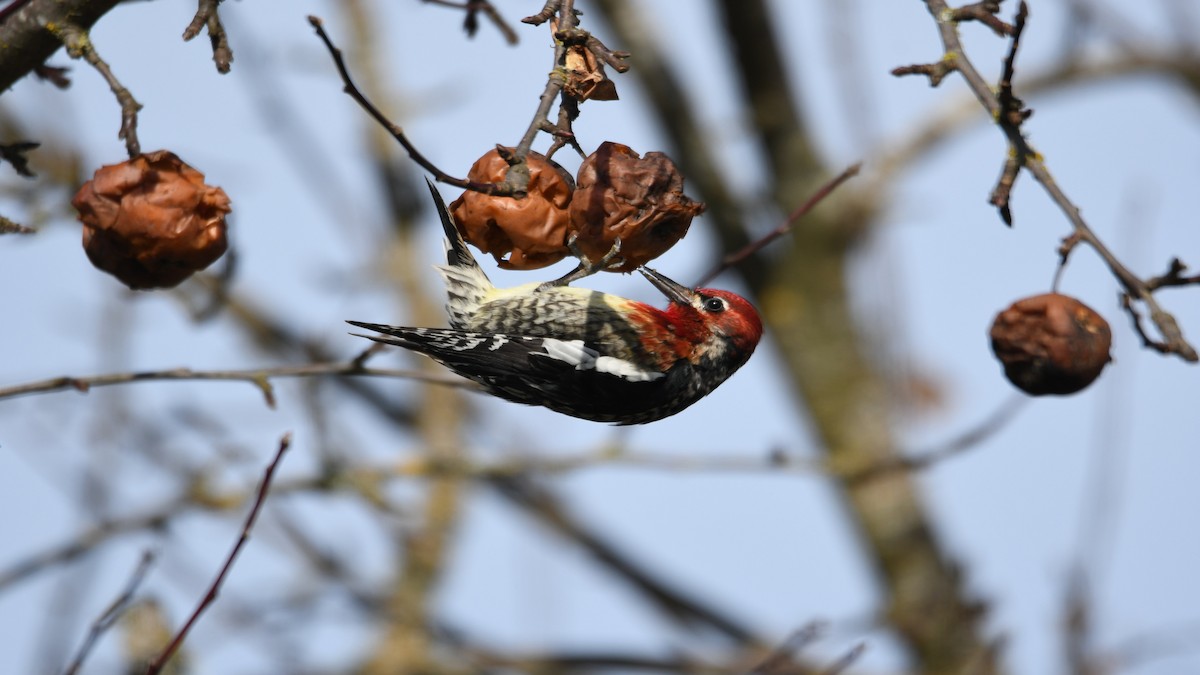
<point x="715" y="305"/>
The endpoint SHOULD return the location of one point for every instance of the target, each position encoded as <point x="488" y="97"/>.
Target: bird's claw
<point x="586" y="267"/>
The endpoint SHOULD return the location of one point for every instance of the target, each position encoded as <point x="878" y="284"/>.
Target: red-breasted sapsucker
<point x="582" y="353"/>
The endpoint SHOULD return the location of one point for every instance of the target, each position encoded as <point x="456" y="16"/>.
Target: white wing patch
<point x="574" y="352"/>
<point x="625" y="369"/>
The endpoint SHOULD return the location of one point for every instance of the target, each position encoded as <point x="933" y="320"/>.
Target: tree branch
<point x="207" y="16"/>
<point x="27" y="38"/>
<point x="259" y="377"/>
<point x="1027" y="157"/>
<point x="157" y="664"/>
<point x="79" y="45"/>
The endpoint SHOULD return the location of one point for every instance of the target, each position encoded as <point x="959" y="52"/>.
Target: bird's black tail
<point x="467" y="285"/>
<point x="457" y="253"/>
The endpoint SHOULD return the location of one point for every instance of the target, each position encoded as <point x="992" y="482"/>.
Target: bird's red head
<point x="733" y="315"/>
<point x="709" y="310"/>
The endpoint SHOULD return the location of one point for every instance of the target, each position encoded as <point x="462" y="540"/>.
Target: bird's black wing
<point x="567" y="376"/>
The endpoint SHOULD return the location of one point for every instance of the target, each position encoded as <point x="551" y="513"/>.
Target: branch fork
<point x="1009" y="113"/>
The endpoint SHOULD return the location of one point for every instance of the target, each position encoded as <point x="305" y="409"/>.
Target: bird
<point x="579" y="352"/>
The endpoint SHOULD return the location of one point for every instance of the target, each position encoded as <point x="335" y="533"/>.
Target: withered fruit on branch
<point x="637" y="199"/>
<point x="521" y="234"/>
<point x="1051" y="344"/>
<point x="152" y="221"/>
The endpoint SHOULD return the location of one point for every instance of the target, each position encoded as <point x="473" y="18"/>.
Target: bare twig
<point x="157" y="664"/>
<point x="923" y="459"/>
<point x="8" y="226"/>
<point x="11" y="8"/>
<point x="1068" y="245"/>
<point x="110" y="615"/>
<point x="543" y="504"/>
<point x="1002" y="194"/>
<point x="199" y="496"/>
<point x="79" y="45"/>
<point x="207" y="16"/>
<point x="368" y="480"/>
<point x="544" y="15"/>
<point x="398" y="133"/>
<point x="782" y="655"/>
<point x="28" y="41"/>
<point x="14" y="153"/>
<point x="55" y="75"/>
<point x="1134" y="288"/>
<point x="1177" y="639"/>
<point x="1013" y="114"/>
<point x="567" y="34"/>
<point x="845" y="661"/>
<point x="259" y="377"/>
<point x="1173" y="277"/>
<point x="985" y="13"/>
<point x="516" y="179"/>
<point x="936" y="72"/>
<point x="471" y="20"/>
<point x="785" y="227"/>
<point x="1135" y="318"/>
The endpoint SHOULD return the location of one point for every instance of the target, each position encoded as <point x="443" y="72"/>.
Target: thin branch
<point x="1002" y="194"/>
<point x="985" y="13"/>
<point x="785" y="227"/>
<point x="369" y="480"/>
<point x="14" y="153"/>
<point x="544" y="505"/>
<point x="923" y="459"/>
<point x="511" y="187"/>
<point x="259" y="377"/>
<point x="79" y="45"/>
<point x="1178" y="639"/>
<point x="1013" y="114"/>
<point x="1134" y="288"/>
<point x="110" y="615"/>
<point x="8" y="226"/>
<point x="157" y="664"/>
<point x="26" y="38"/>
<point x="1135" y="318"/>
<point x="471" y="20"/>
<point x="85" y="542"/>
<point x="1181" y="66"/>
<point x="845" y="661"/>
<point x="197" y="496"/>
<point x="1173" y="277"/>
<point x="516" y="180"/>
<point x="782" y="655"/>
<point x="544" y="15"/>
<point x="567" y="34"/>
<point x="55" y="75"/>
<point x="208" y="17"/>
<point x="936" y="72"/>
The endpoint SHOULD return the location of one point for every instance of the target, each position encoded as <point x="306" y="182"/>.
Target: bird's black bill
<point x="675" y="292"/>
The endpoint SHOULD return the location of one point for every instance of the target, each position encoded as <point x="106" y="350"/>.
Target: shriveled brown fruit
<point x="1051" y="344"/>
<point x="639" y="199"/>
<point x="586" y="78"/>
<point x="531" y="231"/>
<point x="151" y="221"/>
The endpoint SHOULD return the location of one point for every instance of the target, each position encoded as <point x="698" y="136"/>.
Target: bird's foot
<point x="586" y="267"/>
